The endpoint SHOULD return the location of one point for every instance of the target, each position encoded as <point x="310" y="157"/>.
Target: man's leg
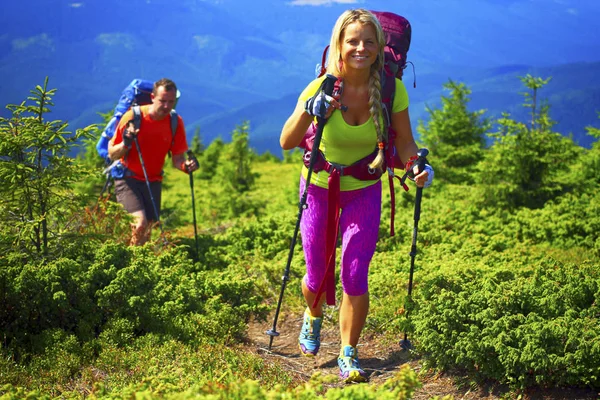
<point x="139" y="229"/>
<point x="129" y="193"/>
<point x="151" y="218"/>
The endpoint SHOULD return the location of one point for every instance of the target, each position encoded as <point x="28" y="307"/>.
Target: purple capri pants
<point x="359" y="228"/>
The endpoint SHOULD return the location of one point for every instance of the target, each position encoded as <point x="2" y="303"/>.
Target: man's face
<point x="163" y="101"/>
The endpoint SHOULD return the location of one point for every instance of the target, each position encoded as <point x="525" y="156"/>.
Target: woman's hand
<point x="423" y="178"/>
<point x="321" y="105"/>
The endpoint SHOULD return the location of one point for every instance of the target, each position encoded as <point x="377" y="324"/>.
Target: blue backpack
<point x="136" y="94"/>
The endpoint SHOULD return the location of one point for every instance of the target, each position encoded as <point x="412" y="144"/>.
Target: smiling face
<point x="163" y="101"/>
<point x="359" y="47"/>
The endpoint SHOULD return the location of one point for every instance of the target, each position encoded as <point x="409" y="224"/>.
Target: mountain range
<point x="236" y="60"/>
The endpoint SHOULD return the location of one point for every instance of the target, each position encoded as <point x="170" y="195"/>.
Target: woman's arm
<point x="406" y="146"/>
<point x="405" y="142"/>
<point x="295" y="127"/>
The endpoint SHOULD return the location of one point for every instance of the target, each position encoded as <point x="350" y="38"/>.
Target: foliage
<point x="454" y="135"/>
<point x="37" y="176"/>
<point x="267" y="156"/>
<point x="520" y="327"/>
<point x="93" y="183"/>
<point x="589" y="174"/>
<point x="236" y="170"/>
<point x="535" y="83"/>
<point x="525" y="164"/>
<point x="155" y="370"/>
<point x="149" y="365"/>
<point x="234" y="176"/>
<point x="196" y="144"/>
<point x="293" y="156"/>
<point x="123" y="292"/>
<point x="210" y="159"/>
<point x="506" y="277"/>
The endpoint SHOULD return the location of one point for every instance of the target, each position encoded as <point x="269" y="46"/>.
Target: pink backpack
<point x="398" y="33"/>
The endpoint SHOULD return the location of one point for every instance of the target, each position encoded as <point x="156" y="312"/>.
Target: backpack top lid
<point x="397" y="31"/>
<point x="137" y="92"/>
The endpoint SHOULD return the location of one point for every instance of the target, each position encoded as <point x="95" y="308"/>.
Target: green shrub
<point x="516" y="326"/>
<point x="125" y="292"/>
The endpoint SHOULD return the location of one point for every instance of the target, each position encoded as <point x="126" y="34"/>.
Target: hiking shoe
<point x="310" y="335"/>
<point x="350" y="370"/>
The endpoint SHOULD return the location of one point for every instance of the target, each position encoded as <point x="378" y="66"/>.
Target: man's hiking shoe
<point x="310" y="335"/>
<point x="350" y="370"/>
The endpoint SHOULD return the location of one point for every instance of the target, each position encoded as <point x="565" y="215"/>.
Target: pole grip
<point x="327" y="87"/>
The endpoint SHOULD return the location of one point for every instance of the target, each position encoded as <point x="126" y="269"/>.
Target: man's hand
<point x="129" y="134"/>
<point x="191" y="164"/>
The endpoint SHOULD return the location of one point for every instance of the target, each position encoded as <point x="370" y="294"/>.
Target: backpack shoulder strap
<point x="137" y="116"/>
<point x="388" y="91"/>
<point x="174" y="123"/>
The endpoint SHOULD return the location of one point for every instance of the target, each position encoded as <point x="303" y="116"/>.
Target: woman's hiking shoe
<point x="310" y="335"/>
<point x="350" y="370"/>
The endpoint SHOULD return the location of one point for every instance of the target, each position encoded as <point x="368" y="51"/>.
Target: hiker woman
<point x="356" y="57"/>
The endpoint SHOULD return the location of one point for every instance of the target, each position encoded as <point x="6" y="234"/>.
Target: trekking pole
<point x="327" y="86"/>
<point x="106" y="186"/>
<point x="139" y="151"/>
<point x="107" y="172"/>
<point x="191" y="156"/>
<point x="422" y="153"/>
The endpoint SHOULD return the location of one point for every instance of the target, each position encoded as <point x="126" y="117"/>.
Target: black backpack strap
<point x="174" y="123"/>
<point x="137" y="116"/>
<point x="388" y="92"/>
<point x="137" y="121"/>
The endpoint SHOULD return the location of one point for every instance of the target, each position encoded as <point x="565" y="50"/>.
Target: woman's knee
<point x="355" y="280"/>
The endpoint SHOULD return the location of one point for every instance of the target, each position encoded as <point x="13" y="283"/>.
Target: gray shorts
<point x="133" y="195"/>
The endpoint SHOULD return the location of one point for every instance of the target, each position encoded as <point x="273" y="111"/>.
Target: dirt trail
<point x="379" y="359"/>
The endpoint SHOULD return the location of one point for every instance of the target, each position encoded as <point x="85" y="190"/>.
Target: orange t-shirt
<point x="155" y="139"/>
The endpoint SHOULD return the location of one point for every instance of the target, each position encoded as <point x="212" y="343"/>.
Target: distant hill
<point x="236" y="60"/>
<point x="573" y="93"/>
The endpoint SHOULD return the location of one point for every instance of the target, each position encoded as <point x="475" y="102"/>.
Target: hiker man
<point x="155" y="139"/>
<point x="356" y="55"/>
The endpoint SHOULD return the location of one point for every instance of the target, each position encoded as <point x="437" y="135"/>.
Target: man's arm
<point x="117" y="151"/>
<point x="118" y="148"/>
<point x="184" y="165"/>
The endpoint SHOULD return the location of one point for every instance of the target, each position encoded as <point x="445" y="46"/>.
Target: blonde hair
<point x="334" y="67"/>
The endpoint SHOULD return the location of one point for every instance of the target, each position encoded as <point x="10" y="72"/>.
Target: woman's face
<point x="359" y="46"/>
